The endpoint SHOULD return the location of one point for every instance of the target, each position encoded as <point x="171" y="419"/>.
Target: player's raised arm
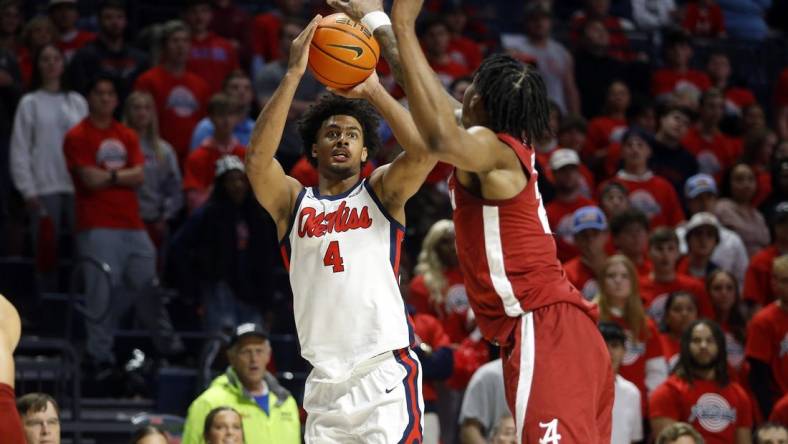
<point x="275" y="190"/>
<point x="476" y="149"/>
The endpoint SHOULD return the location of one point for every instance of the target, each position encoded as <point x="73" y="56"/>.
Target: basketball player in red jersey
<point x="10" y="424"/>
<point x="557" y="373"/>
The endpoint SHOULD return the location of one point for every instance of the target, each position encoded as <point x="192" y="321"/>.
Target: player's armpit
<point x="477" y="149"/>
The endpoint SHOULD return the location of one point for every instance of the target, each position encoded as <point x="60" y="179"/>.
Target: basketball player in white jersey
<point x="341" y="243"/>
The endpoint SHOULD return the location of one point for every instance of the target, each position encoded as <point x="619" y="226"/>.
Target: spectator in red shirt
<point x="723" y="291"/>
<point x="211" y="57"/>
<point x="435" y="39"/>
<point x="438" y="288"/>
<point x="462" y="49"/>
<point x="703" y="18"/>
<point x="619" y="301"/>
<point x="266" y="29"/>
<point x="180" y="95"/>
<point x="714" y="151"/>
<point x="105" y="162"/>
<point x="767" y="343"/>
<point x="608" y="128"/>
<point x="700" y="390"/>
<point x="564" y="164"/>
<point x="589" y="230"/>
<point x="718" y="67"/>
<point x="649" y="193"/>
<point x="677" y="74"/>
<point x="758" y="279"/>
<point x="10" y="330"/>
<point x="663" y="279"/>
<point x="629" y="229"/>
<point x="200" y="166"/>
<point x="680" y="310"/>
<point x="702" y="236"/>
<point x="616" y="27"/>
<point x="757" y="149"/>
<point x="64" y="15"/>
<point x="233" y="23"/>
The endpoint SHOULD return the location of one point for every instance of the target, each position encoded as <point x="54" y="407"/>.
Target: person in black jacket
<point x="229" y="249"/>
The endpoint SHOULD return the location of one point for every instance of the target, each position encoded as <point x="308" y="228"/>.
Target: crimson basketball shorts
<point x="558" y="380"/>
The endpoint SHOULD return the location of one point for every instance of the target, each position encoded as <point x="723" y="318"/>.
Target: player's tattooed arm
<point x="276" y="191"/>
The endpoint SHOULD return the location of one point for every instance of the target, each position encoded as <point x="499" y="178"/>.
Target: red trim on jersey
<point x="413" y="433"/>
<point x="398" y="251"/>
<point x="285" y="257"/>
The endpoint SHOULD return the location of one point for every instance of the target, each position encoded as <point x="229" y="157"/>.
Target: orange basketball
<point x="343" y="53"/>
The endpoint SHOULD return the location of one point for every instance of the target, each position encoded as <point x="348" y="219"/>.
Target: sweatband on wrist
<point x="375" y="20"/>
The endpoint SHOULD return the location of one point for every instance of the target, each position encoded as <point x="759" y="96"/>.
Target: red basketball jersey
<point x="507" y="253"/>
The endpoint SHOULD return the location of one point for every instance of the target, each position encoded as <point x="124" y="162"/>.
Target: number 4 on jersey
<point x="333" y="258"/>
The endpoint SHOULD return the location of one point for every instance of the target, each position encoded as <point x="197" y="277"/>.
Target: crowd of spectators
<point x="665" y="183"/>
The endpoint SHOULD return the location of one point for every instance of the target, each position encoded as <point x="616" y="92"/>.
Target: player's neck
<point x="331" y="186"/>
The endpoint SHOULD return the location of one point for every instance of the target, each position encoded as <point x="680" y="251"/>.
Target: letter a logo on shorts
<point x="551" y="435"/>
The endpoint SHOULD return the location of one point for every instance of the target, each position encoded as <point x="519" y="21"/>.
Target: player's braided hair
<point x="333" y="105"/>
<point x="515" y="98"/>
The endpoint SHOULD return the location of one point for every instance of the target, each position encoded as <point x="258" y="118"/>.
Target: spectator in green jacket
<point x="269" y="415"/>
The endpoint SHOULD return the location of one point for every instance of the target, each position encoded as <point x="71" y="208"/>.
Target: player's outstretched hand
<point x="356" y="9"/>
<point x="299" y="51"/>
<point x="406" y="11"/>
<point x="363" y="90"/>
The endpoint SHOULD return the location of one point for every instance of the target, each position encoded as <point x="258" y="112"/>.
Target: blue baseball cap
<point x="589" y="217"/>
<point x="699" y="184"/>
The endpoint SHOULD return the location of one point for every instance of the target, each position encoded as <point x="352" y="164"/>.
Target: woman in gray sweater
<point x="38" y="167"/>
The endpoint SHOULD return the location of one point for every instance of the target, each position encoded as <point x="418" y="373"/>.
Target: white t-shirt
<point x="485" y="399"/>
<point x="627" y="419"/>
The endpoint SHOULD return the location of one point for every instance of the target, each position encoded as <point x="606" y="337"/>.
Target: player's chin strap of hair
<point x="375" y="20"/>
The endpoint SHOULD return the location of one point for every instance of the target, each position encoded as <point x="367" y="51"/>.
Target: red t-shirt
<point x="715" y="154"/>
<point x="758" y="278"/>
<point x="200" y="168"/>
<point x="114" y="148"/>
<point x="764" y="179"/>
<point x="559" y="214"/>
<point x="212" y="59"/>
<point x="70" y="46"/>
<point x="465" y="52"/>
<point x="603" y="131"/>
<point x="638" y="352"/>
<point x="265" y="36"/>
<point x="655" y="197"/>
<point x="715" y="412"/>
<point x="670" y="348"/>
<point x="10" y="424"/>
<point x="453" y="313"/>
<point x="582" y="277"/>
<point x="703" y="21"/>
<point x="429" y="330"/>
<point x="304" y="172"/>
<point x="180" y="103"/>
<point x="767" y="341"/>
<point x="780" y="411"/>
<point x="667" y="80"/>
<point x="655" y="295"/>
<point x="736" y="99"/>
<point x="25" y="61"/>
<point x="781" y="89"/>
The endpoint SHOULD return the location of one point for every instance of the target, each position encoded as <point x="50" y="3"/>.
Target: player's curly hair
<point x="515" y="98"/>
<point x="333" y="105"/>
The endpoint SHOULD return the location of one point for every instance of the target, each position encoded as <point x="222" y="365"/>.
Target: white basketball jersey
<point x="342" y="253"/>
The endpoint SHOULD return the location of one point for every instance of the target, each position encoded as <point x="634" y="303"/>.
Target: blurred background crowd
<point x="143" y="267"/>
